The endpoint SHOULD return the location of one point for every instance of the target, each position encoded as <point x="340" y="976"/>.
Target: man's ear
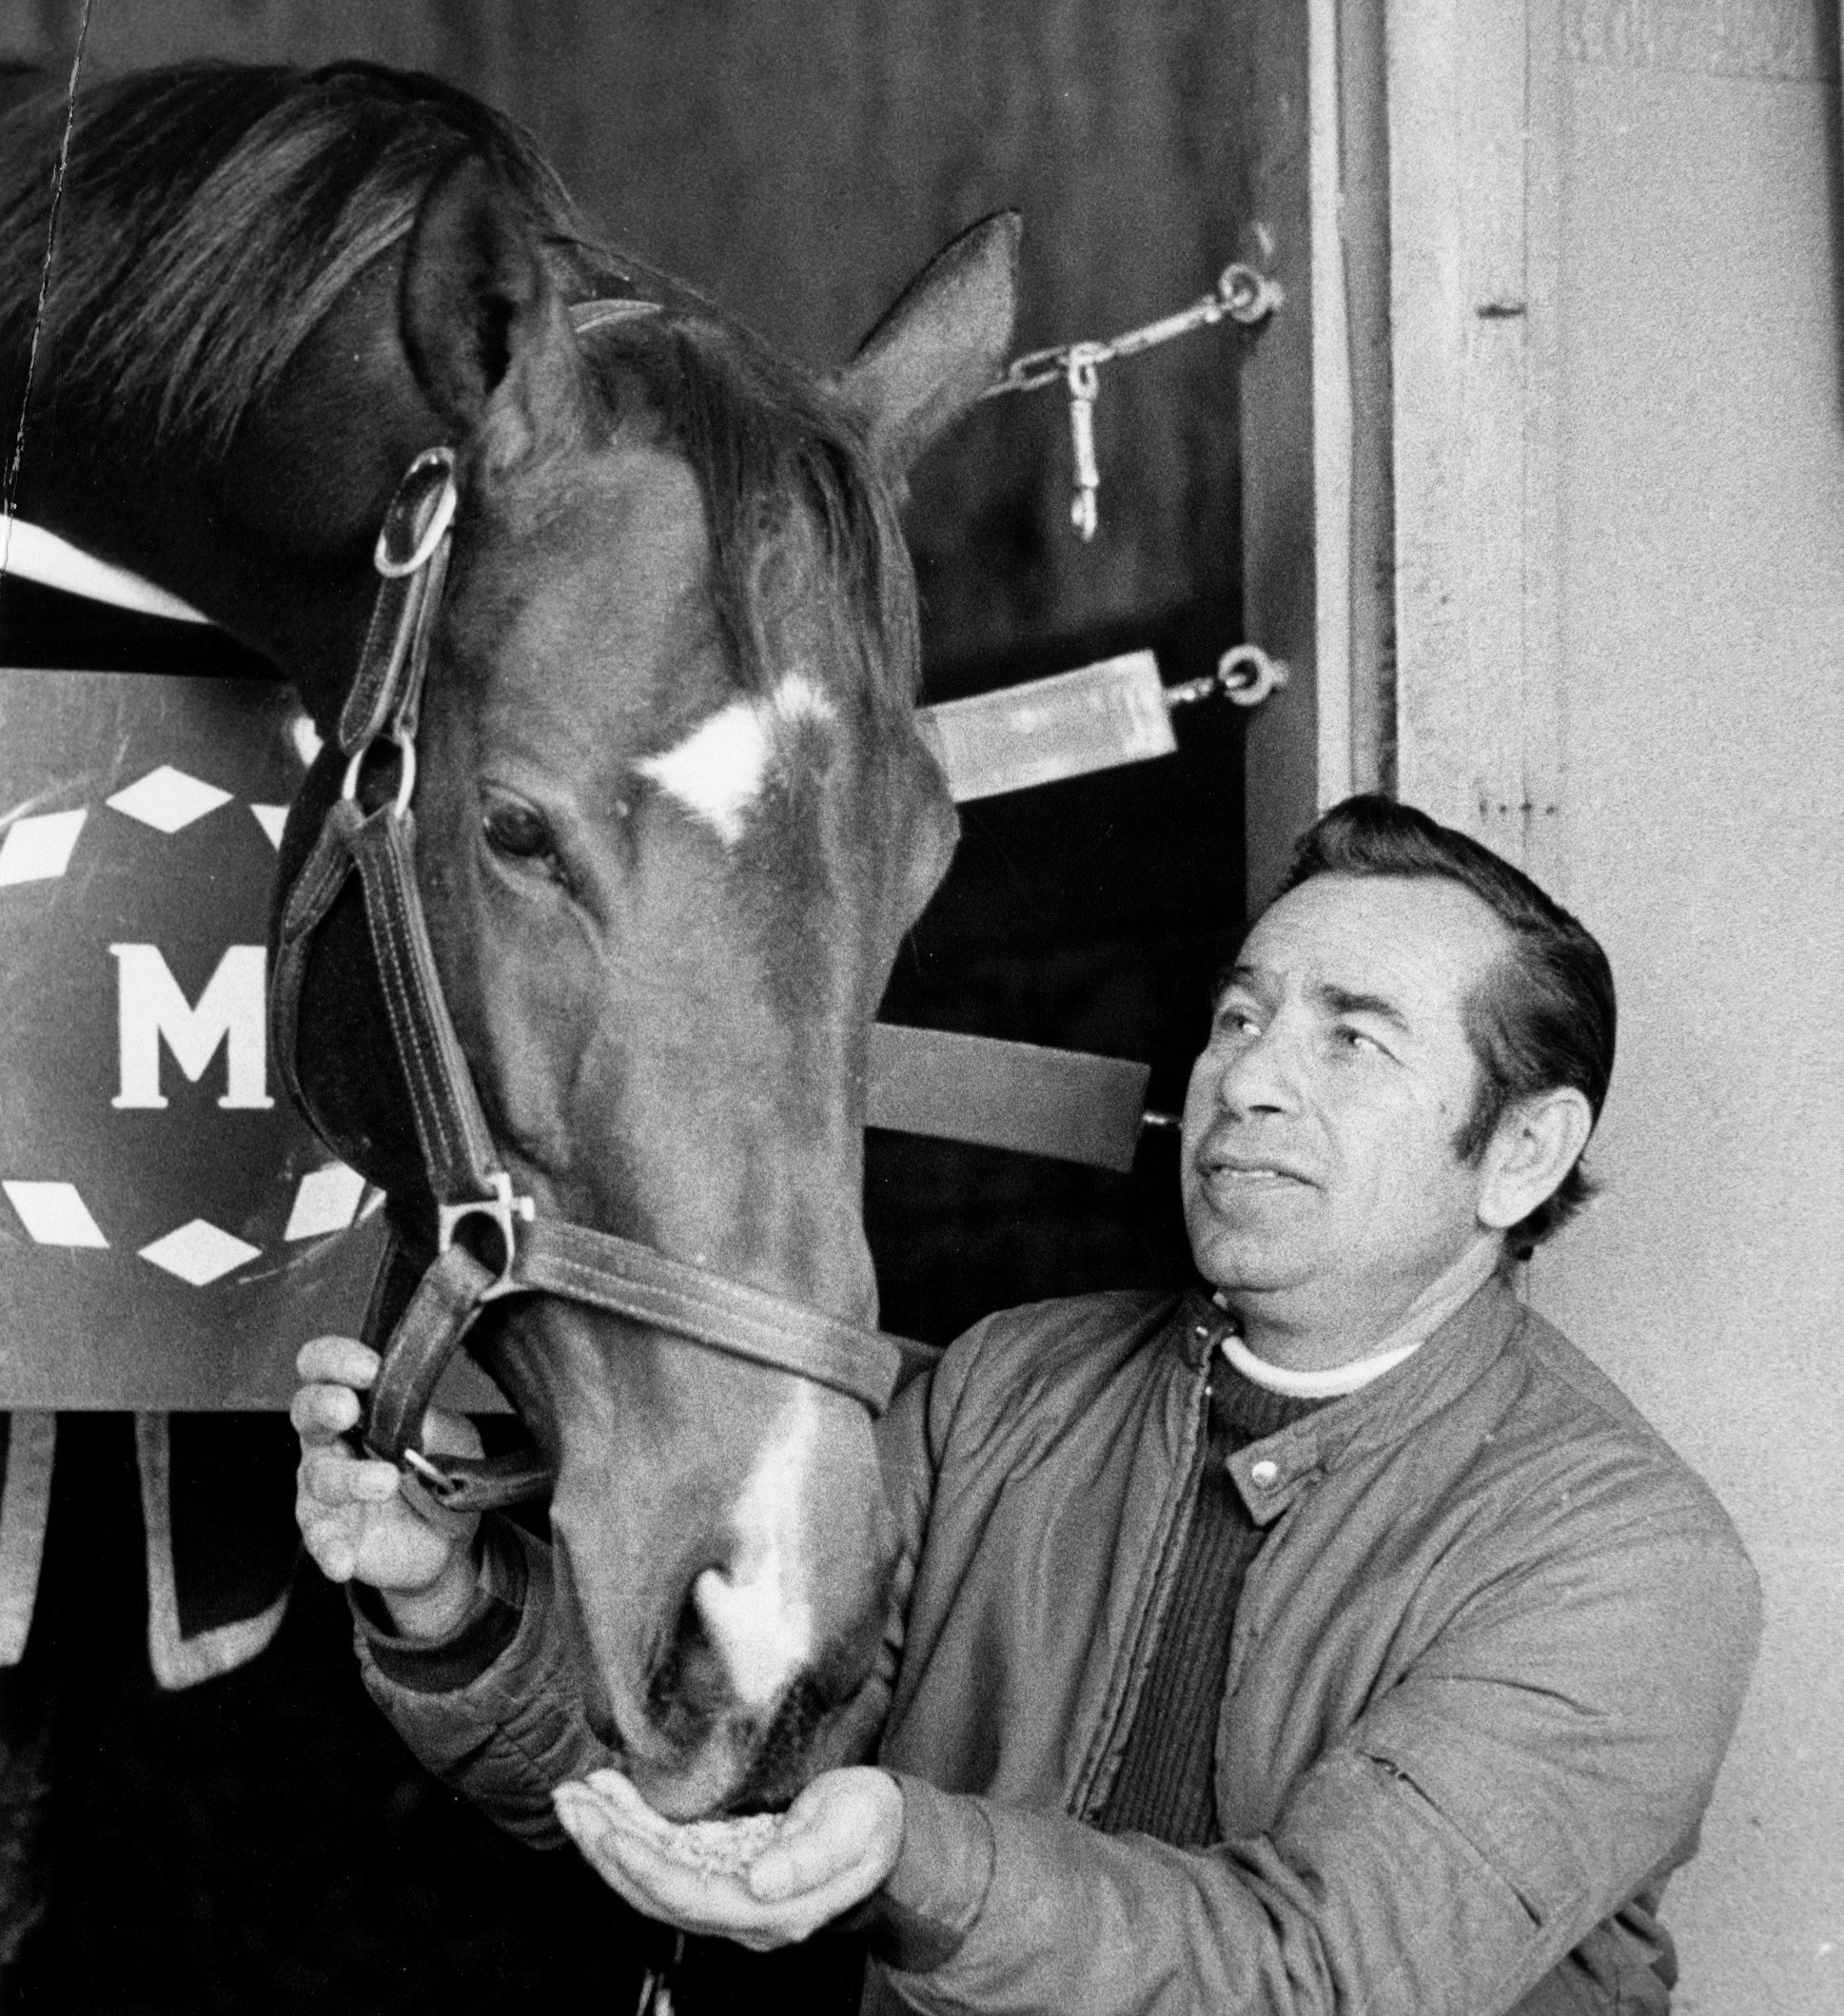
<point x="485" y="333"/>
<point x="1534" y="1145"/>
<point x="945" y="341"/>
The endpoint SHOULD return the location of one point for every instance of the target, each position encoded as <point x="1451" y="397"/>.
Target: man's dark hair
<point x="1542" y="1017"/>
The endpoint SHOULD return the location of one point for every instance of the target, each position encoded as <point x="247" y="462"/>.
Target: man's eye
<point x="1356" y="1040"/>
<point x="1235" y="1019"/>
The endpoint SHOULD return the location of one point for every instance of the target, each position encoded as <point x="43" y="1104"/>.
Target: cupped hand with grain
<point x="765" y="1881"/>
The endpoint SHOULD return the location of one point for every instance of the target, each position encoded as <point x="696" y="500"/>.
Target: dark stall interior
<point x="261" y="1842"/>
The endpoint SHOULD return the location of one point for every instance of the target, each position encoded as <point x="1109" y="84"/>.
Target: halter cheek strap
<point x="473" y="1193"/>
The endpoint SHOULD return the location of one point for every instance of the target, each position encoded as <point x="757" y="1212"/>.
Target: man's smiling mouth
<point x="1220" y="1165"/>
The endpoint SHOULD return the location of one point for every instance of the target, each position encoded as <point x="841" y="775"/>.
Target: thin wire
<point x="8" y="502"/>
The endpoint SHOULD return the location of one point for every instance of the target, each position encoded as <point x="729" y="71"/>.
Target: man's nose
<point x="1260" y="1074"/>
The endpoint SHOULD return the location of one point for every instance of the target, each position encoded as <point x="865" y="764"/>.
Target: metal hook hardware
<point x="415" y="1459"/>
<point x="1241" y="293"/>
<point x="1084" y="388"/>
<point x="1248" y="296"/>
<point x="1246" y="675"/>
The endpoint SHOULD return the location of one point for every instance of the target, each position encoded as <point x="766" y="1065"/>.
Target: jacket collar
<point x="1270" y="1474"/>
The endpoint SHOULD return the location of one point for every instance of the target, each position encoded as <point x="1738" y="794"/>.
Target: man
<point x="1338" y="1640"/>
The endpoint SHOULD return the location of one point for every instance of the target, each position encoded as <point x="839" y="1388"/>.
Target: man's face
<point x="1320" y="1180"/>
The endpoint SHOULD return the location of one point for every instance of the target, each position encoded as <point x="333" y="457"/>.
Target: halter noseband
<point x="536" y="1254"/>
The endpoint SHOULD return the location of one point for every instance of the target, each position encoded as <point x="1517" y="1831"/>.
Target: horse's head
<point x="673" y="818"/>
<point x="671" y="815"/>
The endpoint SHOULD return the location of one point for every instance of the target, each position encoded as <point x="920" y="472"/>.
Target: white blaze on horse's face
<point x="718" y="771"/>
<point x="757" y="1613"/>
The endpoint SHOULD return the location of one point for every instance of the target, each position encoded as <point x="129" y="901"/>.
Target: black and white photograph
<point x="921" y="1008"/>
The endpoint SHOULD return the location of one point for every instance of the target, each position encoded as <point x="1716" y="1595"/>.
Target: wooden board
<point x="1474" y="202"/>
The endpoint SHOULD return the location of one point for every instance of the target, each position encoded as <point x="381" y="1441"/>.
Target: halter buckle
<point x="500" y="1209"/>
<point x="423" y="510"/>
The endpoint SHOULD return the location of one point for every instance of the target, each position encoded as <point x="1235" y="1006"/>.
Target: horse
<point x="630" y="718"/>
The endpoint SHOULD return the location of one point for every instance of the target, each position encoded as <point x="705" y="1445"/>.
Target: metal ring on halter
<point x="441" y="504"/>
<point x="405" y="769"/>
<point x="499" y="1210"/>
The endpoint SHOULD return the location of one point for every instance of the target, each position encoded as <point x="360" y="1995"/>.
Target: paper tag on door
<point x="1096" y="717"/>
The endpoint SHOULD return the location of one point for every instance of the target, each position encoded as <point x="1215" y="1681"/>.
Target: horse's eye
<point x="517" y="833"/>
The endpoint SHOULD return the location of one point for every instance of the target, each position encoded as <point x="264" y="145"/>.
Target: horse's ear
<point x="482" y="326"/>
<point x="941" y="345"/>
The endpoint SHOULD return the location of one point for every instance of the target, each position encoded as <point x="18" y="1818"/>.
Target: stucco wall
<point x="1702" y="595"/>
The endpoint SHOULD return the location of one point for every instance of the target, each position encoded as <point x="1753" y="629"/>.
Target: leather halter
<point x="532" y="1254"/>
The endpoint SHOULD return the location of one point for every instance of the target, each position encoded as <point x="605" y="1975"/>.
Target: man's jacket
<point x="1484" y="1668"/>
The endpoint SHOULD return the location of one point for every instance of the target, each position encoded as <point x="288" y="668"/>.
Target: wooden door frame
<point x="1319" y="541"/>
<point x="1471" y="728"/>
<point x="1353" y="499"/>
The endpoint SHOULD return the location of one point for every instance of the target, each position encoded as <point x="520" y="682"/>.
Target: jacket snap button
<point x="1264" y="1475"/>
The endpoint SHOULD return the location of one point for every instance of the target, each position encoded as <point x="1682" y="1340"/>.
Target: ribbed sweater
<point x="1166" y="1782"/>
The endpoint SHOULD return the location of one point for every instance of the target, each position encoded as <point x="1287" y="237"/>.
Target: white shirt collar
<point x="35" y="554"/>
<point x="1329" y="1384"/>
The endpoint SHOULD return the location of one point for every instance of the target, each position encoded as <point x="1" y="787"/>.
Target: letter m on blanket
<point x="230" y="1012"/>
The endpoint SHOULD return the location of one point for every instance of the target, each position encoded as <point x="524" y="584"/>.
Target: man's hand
<point x="839" y="1841"/>
<point x="354" y="1521"/>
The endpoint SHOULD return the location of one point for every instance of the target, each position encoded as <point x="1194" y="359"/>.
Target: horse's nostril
<point x="783" y="1759"/>
<point x="690" y="1685"/>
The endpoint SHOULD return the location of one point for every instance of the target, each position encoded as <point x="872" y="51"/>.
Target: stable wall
<point x="1619" y="489"/>
<point x="1701" y="494"/>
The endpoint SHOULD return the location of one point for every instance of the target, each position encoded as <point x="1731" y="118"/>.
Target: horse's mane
<point x="213" y="213"/>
